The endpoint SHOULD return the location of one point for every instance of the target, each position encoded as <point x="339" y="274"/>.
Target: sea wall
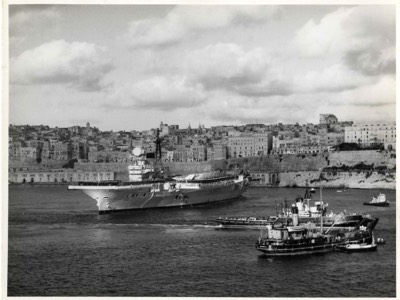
<point x="294" y="170"/>
<point x="336" y="169"/>
<point x="353" y="179"/>
<point x="351" y="158"/>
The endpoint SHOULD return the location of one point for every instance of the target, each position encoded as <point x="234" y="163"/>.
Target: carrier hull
<point x="119" y="198"/>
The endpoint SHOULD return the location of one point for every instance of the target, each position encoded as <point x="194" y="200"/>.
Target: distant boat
<point x="380" y="200"/>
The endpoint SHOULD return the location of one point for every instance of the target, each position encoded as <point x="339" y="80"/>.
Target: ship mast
<point x="322" y="207"/>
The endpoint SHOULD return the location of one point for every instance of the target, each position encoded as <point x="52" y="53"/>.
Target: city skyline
<point x="123" y="67"/>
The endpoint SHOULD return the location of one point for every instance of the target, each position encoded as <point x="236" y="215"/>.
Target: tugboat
<point x="361" y="239"/>
<point x="380" y="200"/>
<point x="295" y="240"/>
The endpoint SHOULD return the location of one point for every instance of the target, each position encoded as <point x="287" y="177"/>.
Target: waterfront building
<point x="241" y="146"/>
<point x="47" y="151"/>
<point x="331" y="139"/>
<point x="372" y="134"/>
<point x="62" y="150"/>
<point x="310" y="139"/>
<point x="248" y="144"/>
<point x="306" y="144"/>
<point x="217" y="152"/>
<point x="14" y="149"/>
<point x="28" y="152"/>
<point x="58" y="175"/>
<point x="262" y="143"/>
<point x="181" y="153"/>
<point x="197" y="153"/>
<point x="285" y="146"/>
<point x="107" y="156"/>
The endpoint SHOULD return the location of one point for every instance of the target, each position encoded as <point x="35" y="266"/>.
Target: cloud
<point x="183" y="20"/>
<point x="224" y="107"/>
<point x="375" y="101"/>
<point x="372" y="62"/>
<point x="381" y="93"/>
<point x="230" y="67"/>
<point x="363" y="36"/>
<point x="348" y="29"/>
<point x="159" y="93"/>
<point x="335" y="78"/>
<point x="32" y="19"/>
<point x="77" y="64"/>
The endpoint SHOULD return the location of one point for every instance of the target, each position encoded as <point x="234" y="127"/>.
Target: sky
<point x="131" y="67"/>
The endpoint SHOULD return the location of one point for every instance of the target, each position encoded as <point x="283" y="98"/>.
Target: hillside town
<point x="43" y="154"/>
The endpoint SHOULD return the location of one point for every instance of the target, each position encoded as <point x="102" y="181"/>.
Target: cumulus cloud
<point x="159" y="93"/>
<point x="364" y="36"/>
<point x="348" y="29"/>
<point x="334" y="78"/>
<point x="182" y="20"/>
<point x="229" y="108"/>
<point x="31" y="19"/>
<point x="381" y="93"/>
<point x="77" y="64"/>
<point x="230" y="67"/>
<point x="372" y="62"/>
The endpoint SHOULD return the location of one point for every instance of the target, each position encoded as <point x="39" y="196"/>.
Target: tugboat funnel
<point x="295" y="215"/>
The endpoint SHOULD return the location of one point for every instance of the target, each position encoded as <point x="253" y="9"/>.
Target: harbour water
<point x="59" y="245"/>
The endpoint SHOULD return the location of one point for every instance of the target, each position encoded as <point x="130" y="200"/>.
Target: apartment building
<point x="247" y="145"/>
<point x="62" y="150"/>
<point x="29" y="152"/>
<point x="370" y="134"/>
<point x="217" y="152"/>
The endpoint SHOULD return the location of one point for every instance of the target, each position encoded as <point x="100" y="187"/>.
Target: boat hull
<point x="305" y="248"/>
<point x="384" y="204"/>
<point x="120" y="198"/>
<point x="358" y="248"/>
<point x="347" y="223"/>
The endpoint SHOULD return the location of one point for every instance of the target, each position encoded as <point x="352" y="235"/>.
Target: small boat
<point x="361" y="239"/>
<point x="380" y="200"/>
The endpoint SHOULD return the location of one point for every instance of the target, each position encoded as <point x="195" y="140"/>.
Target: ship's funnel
<point x="295" y="215"/>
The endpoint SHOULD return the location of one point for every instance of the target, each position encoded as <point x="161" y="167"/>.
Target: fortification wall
<point x="350" y="158"/>
<point x="362" y="179"/>
<point x="293" y="170"/>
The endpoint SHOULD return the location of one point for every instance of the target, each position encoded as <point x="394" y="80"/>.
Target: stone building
<point x="58" y="175"/>
<point x="327" y="119"/>
<point x="216" y="152"/>
<point x="248" y="144"/>
<point x="371" y="134"/>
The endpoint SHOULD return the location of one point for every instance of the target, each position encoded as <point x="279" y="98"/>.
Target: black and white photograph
<point x="199" y="150"/>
